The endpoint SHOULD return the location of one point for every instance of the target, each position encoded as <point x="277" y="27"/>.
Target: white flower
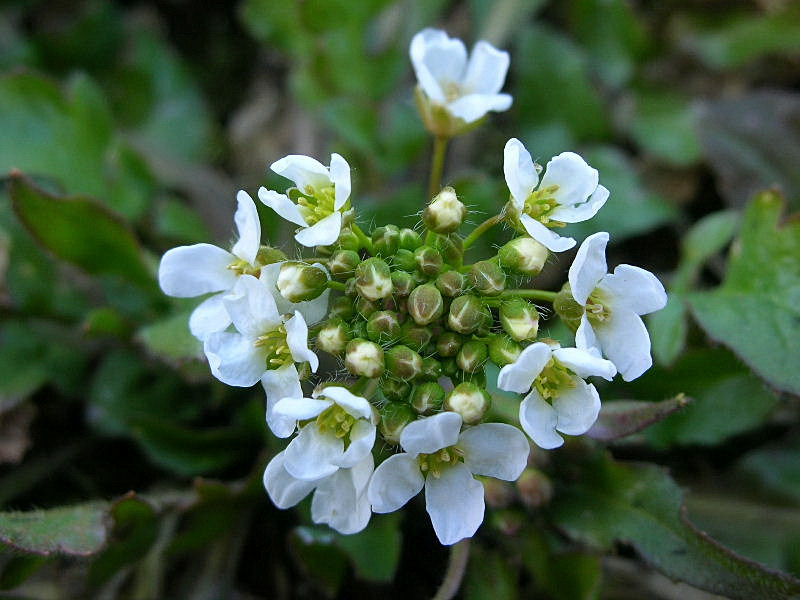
<point x="189" y="271"/>
<point x="559" y="398"/>
<point x="320" y="197"/>
<point x="340" y="499"/>
<point x="567" y="193"/>
<point x="341" y="434"/>
<point x="444" y="462"/>
<point x="612" y="304"/>
<point x="467" y="89"/>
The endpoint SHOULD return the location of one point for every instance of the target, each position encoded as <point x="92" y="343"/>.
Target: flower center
<point x="337" y="421"/>
<point x="242" y="267"/>
<point x="540" y="204"/>
<point x="553" y="379"/>
<point x="597" y="309"/>
<point x="452" y="91"/>
<point x="437" y="462"/>
<point x="315" y="204"/>
<point x="276" y="348"/>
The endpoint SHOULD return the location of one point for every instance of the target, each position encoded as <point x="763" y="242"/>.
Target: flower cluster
<point x="415" y="325"/>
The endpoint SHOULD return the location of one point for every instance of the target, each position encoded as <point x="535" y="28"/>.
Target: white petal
<point x="355" y="406"/>
<point x="297" y="340"/>
<point x="362" y="439"/>
<point x="315" y="310"/>
<point x="545" y="236"/>
<point x="582" y="212"/>
<point x="395" y="482"/>
<point x="189" y="271"/>
<point x="281" y="204"/>
<point x="251" y="307"/>
<point x="585" y="338"/>
<point x="519" y="376"/>
<point x="589" y="266"/>
<point x="430" y="434"/>
<point x="234" y="359"/>
<point x="635" y="288"/>
<point x="322" y="233"/>
<point x="437" y="59"/>
<point x="278" y="384"/>
<point x="585" y="364"/>
<point x="209" y="316"/>
<point x="454" y="502"/>
<point x="577" y="408"/>
<point x="539" y="420"/>
<point x="487" y="68"/>
<point x="249" y="226"/>
<point x="473" y="106"/>
<point x="300" y="409"/>
<point x="340" y="500"/>
<point x="625" y="342"/>
<point x="303" y="170"/>
<point x="575" y="179"/>
<point x="284" y="490"/>
<point x="495" y="450"/>
<point x="309" y="455"/>
<point x="340" y="177"/>
<point x="521" y="176"/>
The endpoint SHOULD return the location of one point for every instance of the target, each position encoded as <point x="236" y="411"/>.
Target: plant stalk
<point x="456" y="567"/>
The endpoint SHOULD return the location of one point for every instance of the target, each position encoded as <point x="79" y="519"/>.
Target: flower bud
<point x="519" y="319"/>
<point x="364" y="358"/>
<point x="477" y="378"/>
<point x="359" y="329"/>
<point x="523" y="255"/>
<point x="451" y="247"/>
<point x="450" y="284"/>
<point x="415" y="336"/>
<point x="333" y="337"/>
<point x="449" y="367"/>
<point x="366" y="308"/>
<point x="468" y="400"/>
<point x="402" y="362"/>
<point x="267" y="255"/>
<point x="350" y="289"/>
<point x="383" y="326"/>
<point x="402" y="283"/>
<point x="343" y="308"/>
<point x="298" y="282"/>
<point x="534" y="488"/>
<point x="348" y="240"/>
<point x="425" y="304"/>
<point x="343" y="263"/>
<point x="373" y="279"/>
<point x="427" y="398"/>
<point x="429" y="261"/>
<point x="498" y="493"/>
<point x="386" y="240"/>
<point x="472" y="356"/>
<point x="449" y="343"/>
<point x="410" y="239"/>
<point x="395" y="389"/>
<point x="445" y="213"/>
<point x="567" y="308"/>
<point x="488" y="278"/>
<point x="466" y="314"/>
<point x="431" y="369"/>
<point x="404" y="260"/>
<point x="394" y="418"/>
<point x="503" y="350"/>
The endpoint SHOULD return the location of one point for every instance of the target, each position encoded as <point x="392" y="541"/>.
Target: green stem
<point x="535" y="294"/>
<point x="437" y="165"/>
<point x="456" y="567"/>
<point x="363" y="239"/>
<point x="481" y="229"/>
<point x="337" y="285"/>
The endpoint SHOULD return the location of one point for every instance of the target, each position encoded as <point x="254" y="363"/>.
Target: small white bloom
<point x="559" y="398"/>
<point x="443" y="459"/>
<point x="340" y="500"/>
<point x="341" y="434"/>
<point x="568" y="193"/>
<point x="613" y="303"/>
<point x="189" y="271"/>
<point x="320" y="197"/>
<point x="467" y="89"/>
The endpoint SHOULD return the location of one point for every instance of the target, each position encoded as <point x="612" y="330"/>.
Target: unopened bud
<point x="449" y="367"/>
<point x="343" y="308"/>
<point x="403" y="283"/>
<point x="428" y="260"/>
<point x="395" y="389"/>
<point x="503" y="350"/>
<point x="468" y="400"/>
<point x="488" y="278"/>
<point x="472" y="356"/>
<point x="404" y="260"/>
<point x="425" y="304"/>
<point x="383" y="326"/>
<point x="386" y="240"/>
<point x="445" y="213"/>
<point x="359" y="329"/>
<point x="415" y="336"/>
<point x="451" y="247"/>
<point x="373" y="279"/>
<point x="497" y="493"/>
<point x="350" y="289"/>
<point x="366" y="308"/>
<point x="343" y="263"/>
<point x="427" y="398"/>
<point x="523" y="255"/>
<point x="519" y="319"/>
<point x="466" y="314"/>
<point x="364" y="358"/>
<point x="477" y="378"/>
<point x="449" y="343"/>
<point x="534" y="488"/>
<point x="267" y="255"/>
<point x="348" y="240"/>
<point x="431" y="369"/>
<point x="298" y="282"/>
<point x="394" y="418"/>
<point x="333" y="337"/>
<point x="402" y="362"/>
<point x="450" y="284"/>
<point x="567" y="308"/>
<point x="410" y="239"/>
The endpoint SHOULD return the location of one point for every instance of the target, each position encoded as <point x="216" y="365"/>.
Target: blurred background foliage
<point x="148" y="116"/>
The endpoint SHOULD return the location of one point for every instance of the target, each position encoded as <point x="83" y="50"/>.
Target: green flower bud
<point x="466" y="314"/>
<point x="429" y="261"/>
<point x="468" y="400"/>
<point x="395" y="304"/>
<point x="298" y="282"/>
<point x="415" y="336"/>
<point x="359" y="329"/>
<point x="364" y="358"/>
<point x="472" y="356"/>
<point x="394" y="418"/>
<point x="427" y="398"/>
<point x="343" y="308"/>
<point x="503" y="350"/>
<point x="410" y="239"/>
<point x="449" y="367"/>
<point x="386" y="240"/>
<point x="519" y="319"/>
<point x="333" y="337"/>
<point x="451" y="247"/>
<point x="567" y="308"/>
<point x="431" y="369"/>
<point x="534" y="488"/>
<point x="402" y="362"/>
<point x="478" y="377"/>
<point x="445" y="213"/>
<point x="488" y="278"/>
<point x="404" y="260"/>
<point x="498" y="493"/>
<point x="343" y="263"/>
<point x="395" y="389"/>
<point x="267" y="255"/>
<point x="350" y="288"/>
<point x="365" y="307"/>
<point x="373" y="279"/>
<point x="450" y="284"/>
<point x="449" y="343"/>
<point x="348" y="240"/>
<point x="403" y="283"/>
<point x="383" y="326"/>
<point x="425" y="304"/>
<point x="523" y="255"/>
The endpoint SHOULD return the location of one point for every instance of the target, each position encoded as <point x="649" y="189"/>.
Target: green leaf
<point x="170" y="339"/>
<point x="374" y="552"/>
<point x="668" y="329"/>
<point x="640" y="505"/>
<point x="80" y="231"/>
<point x="621" y="418"/>
<point x="314" y="551"/>
<point x="709" y="235"/>
<point x="756" y="310"/>
<point x="564" y="574"/>
<point x="18" y="569"/>
<point x="775" y="469"/>
<point x="490" y="576"/>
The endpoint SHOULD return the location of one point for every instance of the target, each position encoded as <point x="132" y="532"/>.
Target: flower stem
<point x="535" y="294"/>
<point x="362" y="237"/>
<point x="337" y="285"/>
<point x="456" y="567"/>
<point x="437" y="164"/>
<point x="481" y="229"/>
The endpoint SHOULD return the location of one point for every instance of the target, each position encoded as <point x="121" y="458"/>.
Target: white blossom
<point x="613" y="303"/>
<point x="567" y="193"/>
<point x="443" y="460"/>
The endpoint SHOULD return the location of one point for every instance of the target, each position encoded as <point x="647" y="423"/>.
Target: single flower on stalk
<point x="567" y="193"/>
